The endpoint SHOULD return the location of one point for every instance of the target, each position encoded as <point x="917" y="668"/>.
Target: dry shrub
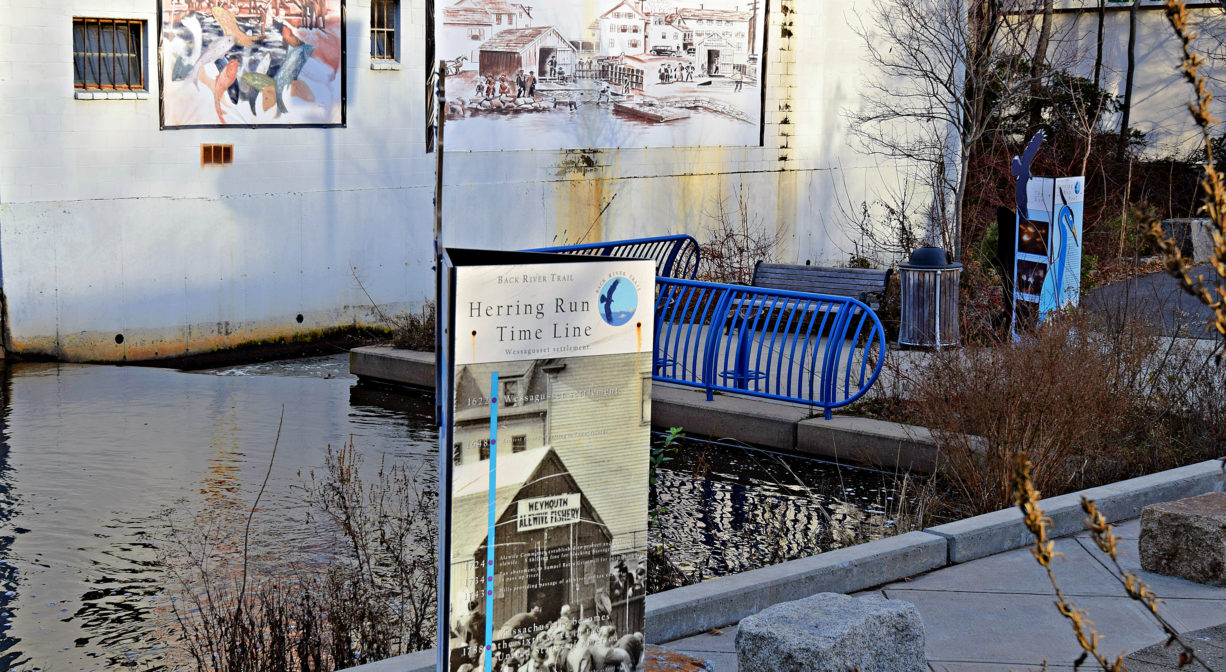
<point x="734" y="242"/>
<point x="414" y="331"/>
<point x="1090" y="402"/>
<point x="982" y="313"/>
<point x="372" y="598"/>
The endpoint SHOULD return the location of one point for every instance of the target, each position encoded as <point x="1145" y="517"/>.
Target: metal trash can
<point x="929" y="299"/>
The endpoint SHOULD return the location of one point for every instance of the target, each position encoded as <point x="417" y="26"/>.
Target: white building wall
<point x="110" y="226"/>
<point x="1160" y="94"/>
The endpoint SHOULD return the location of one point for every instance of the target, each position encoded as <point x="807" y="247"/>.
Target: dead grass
<point x="372" y="598"/>
<point x="1091" y="401"/>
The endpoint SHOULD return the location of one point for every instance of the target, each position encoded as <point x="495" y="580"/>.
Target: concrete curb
<point x="906" y="448"/>
<point x="689" y="610"/>
<point x="694" y="609"/>
<point x="771" y="424"/>
<point x="386" y="364"/>
<point x="1003" y="530"/>
<point x="421" y="661"/>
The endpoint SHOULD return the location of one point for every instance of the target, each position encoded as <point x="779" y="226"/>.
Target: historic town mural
<point x="558" y="74"/>
<point x="251" y="62"/>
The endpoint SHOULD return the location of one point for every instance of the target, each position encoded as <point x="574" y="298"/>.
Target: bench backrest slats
<point x="853" y="282"/>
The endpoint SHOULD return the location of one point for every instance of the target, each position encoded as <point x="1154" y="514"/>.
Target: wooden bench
<point x="867" y="285"/>
<point x="863" y="284"/>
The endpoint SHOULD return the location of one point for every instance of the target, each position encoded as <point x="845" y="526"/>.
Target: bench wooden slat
<point x="794" y="282"/>
<point x="857" y="283"/>
<point x="795" y="269"/>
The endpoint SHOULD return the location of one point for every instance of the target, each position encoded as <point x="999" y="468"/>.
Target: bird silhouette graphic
<point x="606" y="300"/>
<point x="1021" y="170"/>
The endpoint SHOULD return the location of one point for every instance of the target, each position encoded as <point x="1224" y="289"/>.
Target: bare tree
<point x="1036" y="69"/>
<point x="945" y="69"/>
<point x="1126" y="106"/>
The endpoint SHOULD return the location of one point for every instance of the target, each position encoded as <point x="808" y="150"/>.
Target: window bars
<point x="383" y="28"/>
<point x="107" y="53"/>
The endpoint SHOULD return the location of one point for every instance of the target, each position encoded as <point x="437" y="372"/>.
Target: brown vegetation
<point x="374" y="598"/>
<point x="1091" y="399"/>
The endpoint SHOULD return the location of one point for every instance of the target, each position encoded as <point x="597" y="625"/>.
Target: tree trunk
<point x="1036" y="70"/>
<point x="1098" y="55"/>
<point x="1126" y="106"/>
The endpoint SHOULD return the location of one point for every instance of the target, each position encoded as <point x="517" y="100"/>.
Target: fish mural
<point x="261" y="62"/>
<point x="221" y="86"/>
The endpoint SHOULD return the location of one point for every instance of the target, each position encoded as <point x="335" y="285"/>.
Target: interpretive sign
<point x="1047" y="264"/>
<point x="544" y="460"/>
<point x="561" y="74"/>
<point x="1048" y="241"/>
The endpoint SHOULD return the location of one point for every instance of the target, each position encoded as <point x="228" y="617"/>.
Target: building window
<point x="634" y="44"/>
<point x="476" y="34"/>
<point x="108" y="53"/>
<point x="457" y="453"/>
<point x="483" y="450"/>
<point x="383" y="15"/>
<point x="519" y="443"/>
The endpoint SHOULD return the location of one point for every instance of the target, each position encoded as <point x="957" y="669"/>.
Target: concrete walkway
<point x="997" y="613"/>
<point x="1157" y="300"/>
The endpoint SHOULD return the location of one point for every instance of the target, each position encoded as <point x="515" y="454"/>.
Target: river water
<point x="94" y="461"/>
<point x="93" y="456"/>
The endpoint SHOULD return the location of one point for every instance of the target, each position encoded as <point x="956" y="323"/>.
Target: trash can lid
<point x="928" y="257"/>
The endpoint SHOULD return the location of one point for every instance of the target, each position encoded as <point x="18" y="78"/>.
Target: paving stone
<point x="831" y="632"/>
<point x="1186" y="538"/>
<point x="1016" y="571"/>
<point x="958" y="666"/>
<point x="1209" y="644"/>
<point x="1166" y="587"/>
<point x="1022" y="630"/>
<point x="658" y="659"/>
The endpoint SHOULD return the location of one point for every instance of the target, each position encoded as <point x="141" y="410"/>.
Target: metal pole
<point x="938" y="311"/>
<point x="440" y="115"/>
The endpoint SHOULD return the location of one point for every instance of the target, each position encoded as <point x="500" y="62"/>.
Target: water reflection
<point x="91" y="457"/>
<point x="728" y="509"/>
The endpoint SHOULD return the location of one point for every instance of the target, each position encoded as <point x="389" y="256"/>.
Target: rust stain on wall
<point x="139" y="345"/>
<point x="583" y="196"/>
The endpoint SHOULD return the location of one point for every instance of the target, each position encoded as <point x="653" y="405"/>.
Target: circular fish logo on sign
<point x="618" y="301"/>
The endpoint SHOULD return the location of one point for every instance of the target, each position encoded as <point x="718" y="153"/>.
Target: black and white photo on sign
<point x="570" y="509"/>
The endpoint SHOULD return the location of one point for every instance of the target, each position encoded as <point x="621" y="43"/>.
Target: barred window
<point x="483" y="450"/>
<point x="108" y="53"/>
<point x="519" y="443"/>
<point x="383" y="15"/>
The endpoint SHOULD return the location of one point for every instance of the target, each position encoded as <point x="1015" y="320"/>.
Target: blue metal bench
<point x="813" y="349"/>
<point x="675" y="256"/>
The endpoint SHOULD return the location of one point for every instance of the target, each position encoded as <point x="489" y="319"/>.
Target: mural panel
<point x="560" y="74"/>
<point x="251" y="63"/>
